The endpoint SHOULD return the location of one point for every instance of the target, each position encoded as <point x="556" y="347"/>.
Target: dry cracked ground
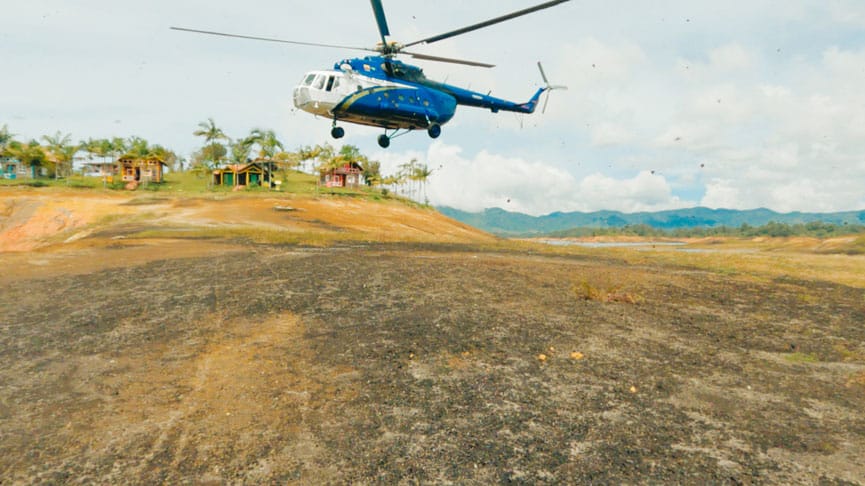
<point x="410" y="362"/>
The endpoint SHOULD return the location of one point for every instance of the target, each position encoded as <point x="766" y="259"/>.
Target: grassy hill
<point x="61" y="213"/>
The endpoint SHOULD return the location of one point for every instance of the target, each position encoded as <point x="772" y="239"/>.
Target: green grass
<point x="798" y="357"/>
<point x="191" y="183"/>
<point x="74" y="182"/>
<point x="253" y="235"/>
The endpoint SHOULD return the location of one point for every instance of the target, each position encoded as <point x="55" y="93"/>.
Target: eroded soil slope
<point x="33" y="219"/>
<point x="410" y="361"/>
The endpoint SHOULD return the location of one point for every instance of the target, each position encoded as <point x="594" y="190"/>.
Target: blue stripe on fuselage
<point x="401" y="106"/>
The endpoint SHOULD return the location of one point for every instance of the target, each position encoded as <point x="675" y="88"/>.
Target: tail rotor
<point x="548" y="88"/>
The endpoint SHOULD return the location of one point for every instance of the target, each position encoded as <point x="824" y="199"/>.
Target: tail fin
<point x="548" y="88"/>
<point x="529" y="106"/>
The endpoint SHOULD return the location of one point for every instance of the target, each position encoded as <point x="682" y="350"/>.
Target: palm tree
<point x="212" y="135"/>
<point x="30" y="153"/>
<point x="115" y="147"/>
<point x="422" y="174"/>
<point x="286" y="160"/>
<point x="267" y="143"/>
<point x="372" y="173"/>
<point x="318" y="153"/>
<point x="240" y="149"/>
<point x="61" y="151"/>
<point x="5" y="138"/>
<point x="136" y="148"/>
<point x="408" y="172"/>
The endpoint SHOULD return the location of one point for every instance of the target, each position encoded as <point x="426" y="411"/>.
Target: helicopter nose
<point x="301" y="96"/>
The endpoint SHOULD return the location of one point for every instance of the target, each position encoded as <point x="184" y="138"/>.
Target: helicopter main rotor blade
<point x="270" y="39"/>
<point x="380" y="19"/>
<point x="486" y="23"/>
<point x="447" y="59"/>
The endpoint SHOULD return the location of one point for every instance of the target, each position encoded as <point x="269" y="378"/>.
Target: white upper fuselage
<point x="320" y="91"/>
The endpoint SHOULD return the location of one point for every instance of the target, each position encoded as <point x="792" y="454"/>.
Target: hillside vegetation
<point x="695" y="222"/>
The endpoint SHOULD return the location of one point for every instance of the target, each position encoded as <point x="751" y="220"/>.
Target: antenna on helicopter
<point x="549" y="87"/>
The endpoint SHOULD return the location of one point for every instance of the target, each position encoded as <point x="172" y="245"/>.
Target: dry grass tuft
<point x="856" y="380"/>
<point x="608" y="294"/>
<point x="849" y="355"/>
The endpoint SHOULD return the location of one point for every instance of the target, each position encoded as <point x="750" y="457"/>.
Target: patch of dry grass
<point x="253" y="234"/>
<point x="856" y="380"/>
<point x="760" y="261"/>
<point x="583" y="290"/>
<point x="849" y="355"/>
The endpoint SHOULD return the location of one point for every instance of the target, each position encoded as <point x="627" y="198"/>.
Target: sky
<point x="672" y="103"/>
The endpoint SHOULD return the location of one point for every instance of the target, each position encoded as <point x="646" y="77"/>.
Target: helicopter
<point x="382" y="91"/>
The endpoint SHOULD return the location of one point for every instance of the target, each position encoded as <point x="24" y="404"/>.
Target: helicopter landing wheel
<point x="383" y="141"/>
<point x="337" y="132"/>
<point x="434" y="130"/>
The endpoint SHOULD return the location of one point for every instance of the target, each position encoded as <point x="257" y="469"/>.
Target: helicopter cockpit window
<point x="319" y="81"/>
<point x="308" y="80"/>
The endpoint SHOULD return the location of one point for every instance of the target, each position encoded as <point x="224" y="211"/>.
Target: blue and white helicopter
<point x="382" y="91"/>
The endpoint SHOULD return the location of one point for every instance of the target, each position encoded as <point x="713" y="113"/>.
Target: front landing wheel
<point x="337" y="132"/>
<point x="434" y="130"/>
<point x="383" y="141"/>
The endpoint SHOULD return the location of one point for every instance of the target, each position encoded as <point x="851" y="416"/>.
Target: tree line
<point x="56" y="154"/>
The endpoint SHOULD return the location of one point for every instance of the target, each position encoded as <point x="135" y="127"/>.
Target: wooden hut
<point x="14" y="169"/>
<point x="148" y="169"/>
<point x="251" y="174"/>
<point x="346" y="175"/>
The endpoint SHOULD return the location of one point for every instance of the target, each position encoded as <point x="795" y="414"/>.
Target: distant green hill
<point x="505" y="223"/>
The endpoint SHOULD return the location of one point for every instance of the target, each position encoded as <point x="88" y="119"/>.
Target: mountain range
<point x="505" y="223"/>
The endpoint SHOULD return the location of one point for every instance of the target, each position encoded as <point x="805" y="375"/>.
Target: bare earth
<point x="422" y="358"/>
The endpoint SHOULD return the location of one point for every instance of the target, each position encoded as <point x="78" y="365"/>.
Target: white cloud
<point x="492" y="180"/>
<point x="609" y="133"/>
<point x="731" y="57"/>
<point x="644" y="192"/>
<point x="722" y="193"/>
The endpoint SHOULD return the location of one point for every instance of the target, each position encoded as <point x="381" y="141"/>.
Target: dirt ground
<point x="422" y="363"/>
<point x="148" y="360"/>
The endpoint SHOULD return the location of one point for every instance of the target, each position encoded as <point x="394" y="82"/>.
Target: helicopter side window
<point x="335" y="83"/>
<point x="329" y="84"/>
<point x="319" y="82"/>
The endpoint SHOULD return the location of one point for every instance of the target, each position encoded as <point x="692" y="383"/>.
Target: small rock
<point x="576" y="355"/>
<point x="542" y="357"/>
<point x="633" y="389"/>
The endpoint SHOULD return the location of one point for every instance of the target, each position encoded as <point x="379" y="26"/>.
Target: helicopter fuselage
<point x="383" y="92"/>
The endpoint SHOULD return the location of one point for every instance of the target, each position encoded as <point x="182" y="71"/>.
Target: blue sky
<point x="735" y="104"/>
